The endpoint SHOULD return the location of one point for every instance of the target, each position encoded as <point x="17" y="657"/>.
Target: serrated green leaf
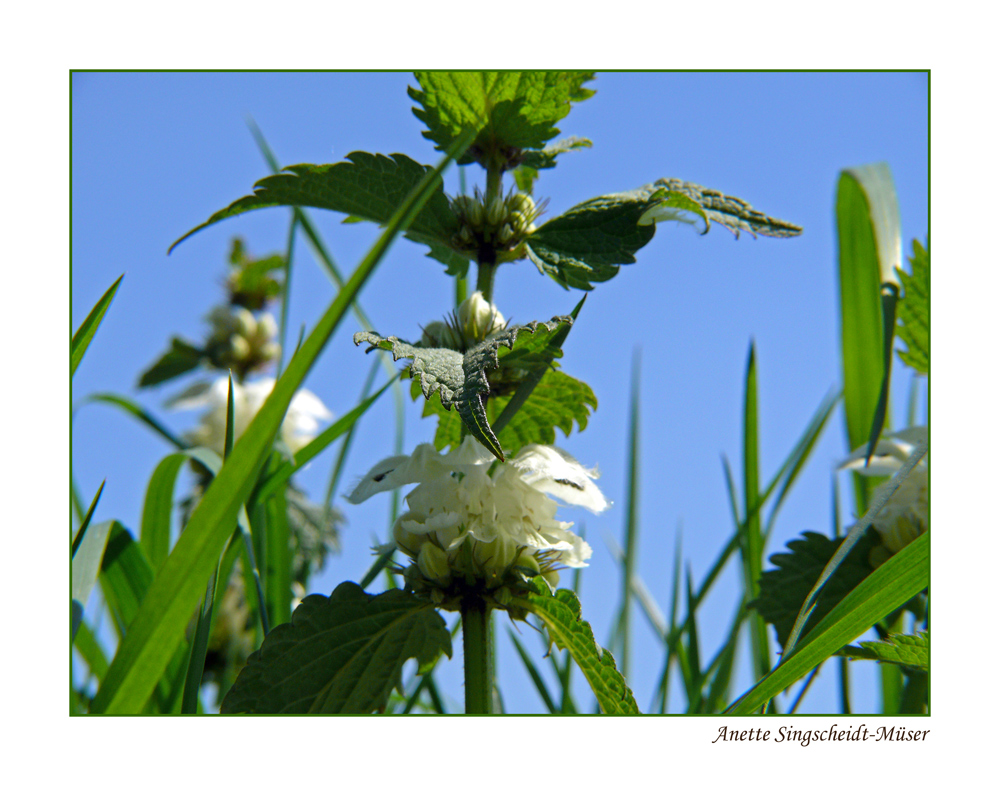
<point x="561" y="615"/>
<point x="365" y="186"/>
<point x="903" y="649"/>
<point x="179" y="359"/>
<point x="783" y="590"/>
<point x="85" y="333"/>
<point x="558" y="400"/>
<point x="341" y="654"/>
<point x="890" y="586"/>
<point x="915" y="310"/>
<point x="464" y="380"/>
<point x="590" y="241"/>
<point x="510" y="110"/>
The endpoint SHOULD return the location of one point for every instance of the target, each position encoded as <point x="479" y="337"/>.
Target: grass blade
<point x="85" y="567"/>
<point x="160" y="625"/>
<point x="85" y="522"/>
<point x="891" y="585"/>
<point x="157" y="509"/>
<point x="130" y="407"/>
<point x="536" y="678"/>
<point x="632" y="516"/>
<point x="85" y="333"/>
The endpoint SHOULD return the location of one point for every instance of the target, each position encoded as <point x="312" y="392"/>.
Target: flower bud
<point x="407" y="542"/>
<point x="245" y="325"/>
<point x="527" y="564"/>
<point x="521" y="203"/>
<point x="433" y="563"/>
<point x="505" y="234"/>
<point x="477" y="318"/>
<point x="496" y="212"/>
<point x="267" y="328"/>
<point x="239" y="347"/>
<point x="465" y="235"/>
<point x="551" y="578"/>
<point x="496" y="555"/>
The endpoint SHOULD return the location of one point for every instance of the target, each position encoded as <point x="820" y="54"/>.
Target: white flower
<point x="502" y="516"/>
<point x="300" y="425"/>
<point x="905" y="516"/>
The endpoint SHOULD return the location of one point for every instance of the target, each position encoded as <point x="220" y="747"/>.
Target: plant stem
<point x="477" y="647"/>
<point x="487" y="268"/>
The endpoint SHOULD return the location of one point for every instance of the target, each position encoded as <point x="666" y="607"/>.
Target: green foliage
<point x="590" y="241"/>
<point x="558" y="400"/>
<point x="902" y="649"/>
<point x="492" y="367"/>
<point x="783" y="590"/>
<point x="341" y="654"/>
<point x="561" y="615"/>
<point x="181" y="358"/>
<point x="526" y="172"/>
<point x="180" y="583"/>
<point x="860" y="310"/>
<point x="510" y="110"/>
<point x="86" y="564"/>
<point x="367" y="186"/>
<point x="251" y="284"/>
<point x="915" y="310"/>
<point x="890" y="586"/>
<point x="85" y="333"/>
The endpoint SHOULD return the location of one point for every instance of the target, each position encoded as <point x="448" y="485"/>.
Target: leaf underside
<point x="462" y="380"/>
<point x="341" y="654"/>
<point x="589" y="242"/>
<point x="365" y="185"/>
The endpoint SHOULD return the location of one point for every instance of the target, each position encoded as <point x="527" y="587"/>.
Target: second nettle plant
<point x="481" y="530"/>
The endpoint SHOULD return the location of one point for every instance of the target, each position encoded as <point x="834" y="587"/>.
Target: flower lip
<point x="891" y="451"/>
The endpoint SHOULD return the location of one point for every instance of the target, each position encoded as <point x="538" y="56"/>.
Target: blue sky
<point x="155" y="154"/>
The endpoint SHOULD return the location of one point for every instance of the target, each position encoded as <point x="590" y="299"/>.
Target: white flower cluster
<point x="475" y="320"/>
<point x="464" y="520"/>
<point x="905" y="516"/>
<point x="301" y="423"/>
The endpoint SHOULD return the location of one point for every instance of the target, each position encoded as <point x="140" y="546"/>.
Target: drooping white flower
<point x="905" y="516"/>
<point x="301" y="423"/>
<point x="501" y="516"/>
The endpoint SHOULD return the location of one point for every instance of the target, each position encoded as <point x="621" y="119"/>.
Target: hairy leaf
<point x="903" y="649"/>
<point x="561" y="615"/>
<point x="915" y="310"/>
<point x="341" y="654"/>
<point x="558" y="400"/>
<point x="511" y="110"/>
<point x="467" y="380"/>
<point x="783" y="590"/>
<point x="365" y="185"/>
<point x="591" y="240"/>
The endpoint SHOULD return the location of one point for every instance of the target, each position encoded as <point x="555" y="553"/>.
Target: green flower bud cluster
<point x="498" y="571"/>
<point x="503" y="223"/>
<point x="241" y="341"/>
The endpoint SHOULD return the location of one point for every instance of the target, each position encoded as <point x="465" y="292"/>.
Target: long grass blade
<point x="632" y="516"/>
<point x="139" y="413"/>
<point x="160" y="624"/>
<point x="82" y="531"/>
<point x="85" y="333"/>
<point x="536" y="678"/>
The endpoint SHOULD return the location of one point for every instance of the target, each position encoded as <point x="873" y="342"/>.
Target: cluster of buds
<point x="474" y="321"/>
<point x="504" y="223"/>
<point x="239" y="340"/>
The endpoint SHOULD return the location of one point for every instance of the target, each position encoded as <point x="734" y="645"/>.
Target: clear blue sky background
<point x="156" y="154"/>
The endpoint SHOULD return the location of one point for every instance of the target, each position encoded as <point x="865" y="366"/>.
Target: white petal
<point x="890" y="452"/>
<point x="554" y="471"/>
<point x="395" y="471"/>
